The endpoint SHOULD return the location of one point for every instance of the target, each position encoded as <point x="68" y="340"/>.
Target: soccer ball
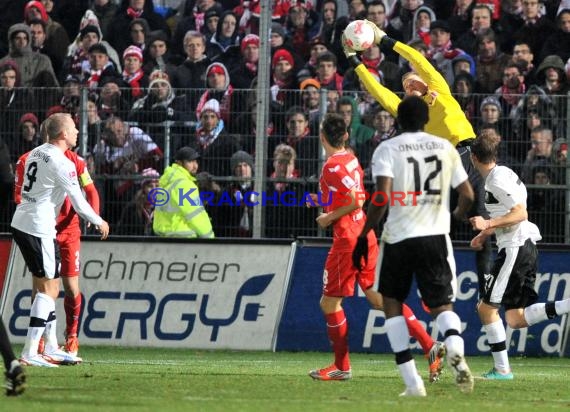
<point x="358" y="35"/>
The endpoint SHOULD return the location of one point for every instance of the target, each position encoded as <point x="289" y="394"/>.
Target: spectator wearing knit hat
<point x="284" y="80"/>
<point x="218" y="87"/>
<point x="238" y="219"/>
<point x="280" y="39"/>
<point x="311" y="101"/>
<point x="213" y="142"/>
<point x="157" y="55"/>
<point x="137" y="217"/>
<point x="28" y="136"/>
<point x="89" y="34"/>
<point x="300" y="24"/>
<point x="278" y="36"/>
<point x="133" y="74"/>
<point x="56" y="36"/>
<point x="491" y="113"/>
<point x="158" y="105"/>
<point x="243" y="74"/>
<point x="309" y="69"/>
<point x="211" y="19"/>
<point x="127" y="12"/>
<point x="98" y="67"/>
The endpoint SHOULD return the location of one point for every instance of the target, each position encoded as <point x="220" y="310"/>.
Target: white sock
<point x="446" y="321"/>
<point x="50" y="333"/>
<point x="399" y="338"/>
<point x="410" y="374"/>
<point x="535" y="313"/>
<point x="496" y="334"/>
<point x="562" y="306"/>
<point x="398" y="333"/>
<point x="41" y="308"/>
<point x="539" y="312"/>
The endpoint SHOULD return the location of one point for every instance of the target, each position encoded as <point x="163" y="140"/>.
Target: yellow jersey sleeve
<point x="387" y="99"/>
<point x="423" y="68"/>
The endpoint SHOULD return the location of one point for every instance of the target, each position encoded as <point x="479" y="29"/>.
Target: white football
<point x="358" y="35"/>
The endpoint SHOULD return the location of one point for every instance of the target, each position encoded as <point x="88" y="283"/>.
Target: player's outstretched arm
<point x="381" y="94"/>
<point x="418" y="61"/>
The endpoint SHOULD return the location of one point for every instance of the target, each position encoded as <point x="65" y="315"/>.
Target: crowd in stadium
<point x="195" y="62"/>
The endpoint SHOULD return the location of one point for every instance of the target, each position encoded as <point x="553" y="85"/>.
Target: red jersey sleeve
<point x="19" y="178"/>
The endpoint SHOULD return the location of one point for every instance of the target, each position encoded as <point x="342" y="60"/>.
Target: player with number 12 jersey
<point x="417" y="158"/>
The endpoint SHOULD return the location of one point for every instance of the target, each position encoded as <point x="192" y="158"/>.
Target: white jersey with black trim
<point x="48" y="177"/>
<point x="423" y="167"/>
<point x="504" y="190"/>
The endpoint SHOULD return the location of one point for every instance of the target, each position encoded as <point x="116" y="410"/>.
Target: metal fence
<point x="120" y="137"/>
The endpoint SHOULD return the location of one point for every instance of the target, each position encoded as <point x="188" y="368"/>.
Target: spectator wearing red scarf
<point x="133" y="74"/>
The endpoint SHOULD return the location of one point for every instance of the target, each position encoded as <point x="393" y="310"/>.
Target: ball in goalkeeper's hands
<point x="358" y="35"/>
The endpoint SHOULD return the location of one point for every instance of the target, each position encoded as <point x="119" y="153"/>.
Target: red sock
<point x="417" y="330"/>
<point x="337" y="329"/>
<point x="72" y="308"/>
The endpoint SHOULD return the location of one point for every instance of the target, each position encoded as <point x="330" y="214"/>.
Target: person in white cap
<point x="212" y="141"/>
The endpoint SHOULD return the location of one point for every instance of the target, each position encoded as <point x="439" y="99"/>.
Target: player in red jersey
<point x="68" y="239"/>
<point x="341" y="186"/>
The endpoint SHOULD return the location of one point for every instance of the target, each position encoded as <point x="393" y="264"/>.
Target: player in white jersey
<point x="416" y="171"/>
<point x="49" y="176"/>
<point x="511" y="281"/>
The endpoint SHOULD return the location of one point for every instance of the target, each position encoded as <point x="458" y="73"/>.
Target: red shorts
<point x="340" y="275"/>
<point x="69" y="245"/>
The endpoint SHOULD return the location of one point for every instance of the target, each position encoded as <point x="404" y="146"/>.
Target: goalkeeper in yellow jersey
<point x="446" y="118"/>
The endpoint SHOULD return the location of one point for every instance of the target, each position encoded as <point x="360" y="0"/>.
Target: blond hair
<point x="56" y="124"/>
<point x="285" y="152"/>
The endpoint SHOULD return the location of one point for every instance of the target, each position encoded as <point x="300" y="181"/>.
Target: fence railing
<point x="120" y="138"/>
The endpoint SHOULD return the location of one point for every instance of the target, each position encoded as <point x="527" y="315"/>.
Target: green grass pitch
<point x="125" y="379"/>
